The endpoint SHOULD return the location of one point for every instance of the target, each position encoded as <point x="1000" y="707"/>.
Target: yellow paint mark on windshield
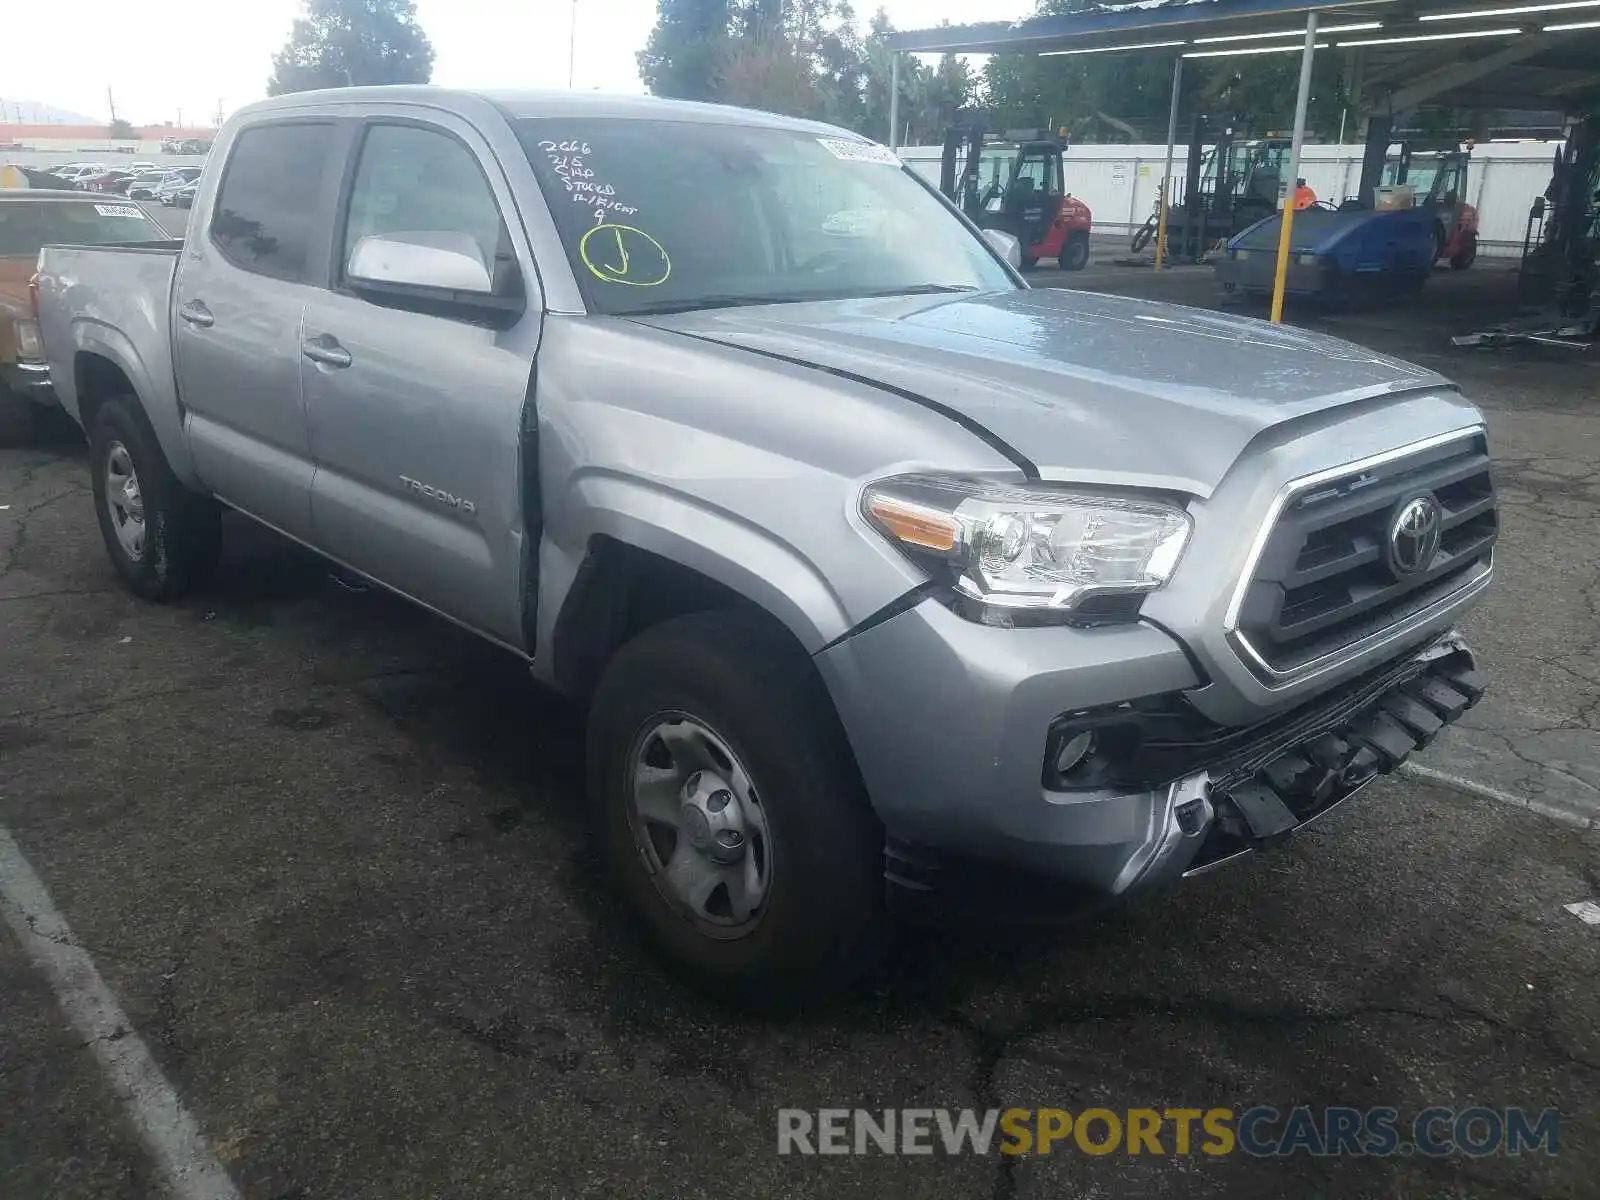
<point x="626" y="255"/>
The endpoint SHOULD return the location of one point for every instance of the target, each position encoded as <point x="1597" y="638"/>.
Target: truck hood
<point x="1087" y="387"/>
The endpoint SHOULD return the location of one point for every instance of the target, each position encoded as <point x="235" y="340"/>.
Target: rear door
<point x="416" y="404"/>
<point x="241" y="291"/>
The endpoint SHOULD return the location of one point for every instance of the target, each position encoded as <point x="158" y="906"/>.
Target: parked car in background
<point x="184" y="197"/>
<point x="113" y="181"/>
<point x="143" y="165"/>
<point x="78" y="173"/>
<point x="28" y="219"/>
<point x="870" y="561"/>
<point x="174" y="182"/>
<point x="143" y="185"/>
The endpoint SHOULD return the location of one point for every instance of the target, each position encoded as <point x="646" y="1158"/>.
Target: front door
<point x="242" y="286"/>
<point x="417" y="411"/>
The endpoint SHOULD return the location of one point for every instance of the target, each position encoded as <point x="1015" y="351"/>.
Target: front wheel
<point x="1144" y="234"/>
<point x="1030" y="261"/>
<point x="1075" y="254"/>
<point x="730" y="812"/>
<point x="163" y="539"/>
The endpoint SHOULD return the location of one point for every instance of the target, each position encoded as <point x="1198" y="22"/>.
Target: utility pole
<point x="572" y="44"/>
<point x="111" y="104"/>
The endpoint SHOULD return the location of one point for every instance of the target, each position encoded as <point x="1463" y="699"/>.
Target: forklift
<point x="1016" y="184"/>
<point x="1440" y="181"/>
<point x="1561" y="247"/>
<point x="1226" y="190"/>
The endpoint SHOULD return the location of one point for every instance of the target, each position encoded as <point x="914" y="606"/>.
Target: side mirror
<point x="450" y="262"/>
<point x="1006" y="246"/>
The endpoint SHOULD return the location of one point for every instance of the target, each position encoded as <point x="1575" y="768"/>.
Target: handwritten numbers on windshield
<point x="625" y="255"/>
<point x="567" y="158"/>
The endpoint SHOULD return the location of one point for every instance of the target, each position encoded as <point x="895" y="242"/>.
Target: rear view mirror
<point x="1006" y="246"/>
<point x="450" y="262"/>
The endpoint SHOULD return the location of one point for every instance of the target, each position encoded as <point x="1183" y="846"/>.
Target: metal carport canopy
<point x="1511" y="54"/>
<point x="1422" y="50"/>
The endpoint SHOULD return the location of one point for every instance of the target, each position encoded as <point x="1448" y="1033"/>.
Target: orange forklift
<point x="1015" y="183"/>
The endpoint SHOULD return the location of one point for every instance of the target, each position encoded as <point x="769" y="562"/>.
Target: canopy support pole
<point x="894" y="100"/>
<point x="1287" y="187"/>
<point x="1166" y="175"/>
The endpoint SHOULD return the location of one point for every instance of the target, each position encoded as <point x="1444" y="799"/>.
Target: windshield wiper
<point x="730" y="300"/>
<point x="919" y="289"/>
<point x="739" y="300"/>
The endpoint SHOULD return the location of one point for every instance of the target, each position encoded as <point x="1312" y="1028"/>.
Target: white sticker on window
<point x="867" y="152"/>
<point x="119" y="210"/>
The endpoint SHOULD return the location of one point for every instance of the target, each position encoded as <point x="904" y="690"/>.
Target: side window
<point x="265" y="216"/>
<point x="418" y="181"/>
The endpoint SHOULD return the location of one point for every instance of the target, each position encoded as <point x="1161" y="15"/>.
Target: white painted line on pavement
<point x="169" y="1132"/>
<point x="1490" y="792"/>
<point x="1586" y="911"/>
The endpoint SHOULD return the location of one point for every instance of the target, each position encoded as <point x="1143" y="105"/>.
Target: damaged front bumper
<point x="1218" y="793"/>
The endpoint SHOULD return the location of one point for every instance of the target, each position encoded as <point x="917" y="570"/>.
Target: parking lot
<point x="329" y="854"/>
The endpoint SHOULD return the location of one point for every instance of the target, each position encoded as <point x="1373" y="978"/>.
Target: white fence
<point x="1120" y="183"/>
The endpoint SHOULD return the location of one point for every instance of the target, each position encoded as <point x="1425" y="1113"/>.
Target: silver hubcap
<point x="124" y="501"/>
<point x="700" y="825"/>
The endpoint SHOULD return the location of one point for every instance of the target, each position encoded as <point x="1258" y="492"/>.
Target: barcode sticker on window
<point x="867" y="152"/>
<point x="120" y="210"/>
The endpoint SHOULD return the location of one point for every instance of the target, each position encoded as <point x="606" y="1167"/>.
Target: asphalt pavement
<point x="328" y="853"/>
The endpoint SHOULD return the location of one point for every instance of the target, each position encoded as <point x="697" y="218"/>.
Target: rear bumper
<point x="954" y="759"/>
<point x="29" y="381"/>
<point x="1258" y="272"/>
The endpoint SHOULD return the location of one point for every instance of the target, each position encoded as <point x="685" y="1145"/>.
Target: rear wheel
<point x="1075" y="254"/>
<point x="1467" y="255"/>
<point x="731" y="815"/>
<point x="163" y="539"/>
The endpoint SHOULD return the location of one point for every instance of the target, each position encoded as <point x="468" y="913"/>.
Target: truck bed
<point x="96" y="296"/>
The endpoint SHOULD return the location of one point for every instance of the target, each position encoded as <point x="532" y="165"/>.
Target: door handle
<point x="325" y="350"/>
<point x="196" y="313"/>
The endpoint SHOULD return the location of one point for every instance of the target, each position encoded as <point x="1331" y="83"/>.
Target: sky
<point x="180" y="59"/>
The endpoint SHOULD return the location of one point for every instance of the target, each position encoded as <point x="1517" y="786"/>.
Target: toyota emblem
<point x="1414" y="534"/>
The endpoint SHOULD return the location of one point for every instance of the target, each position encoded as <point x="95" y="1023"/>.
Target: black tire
<point x="1075" y="254"/>
<point x="183" y="531"/>
<point x="1143" y="235"/>
<point x="1029" y="262"/>
<point x="1467" y="255"/>
<point x="1439" y="241"/>
<point x="823" y="916"/>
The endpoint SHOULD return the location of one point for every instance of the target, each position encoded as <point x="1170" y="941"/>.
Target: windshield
<point x="25" y="225"/>
<point x="660" y="215"/>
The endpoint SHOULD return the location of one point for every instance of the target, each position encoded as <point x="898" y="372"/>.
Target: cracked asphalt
<point x="329" y="853"/>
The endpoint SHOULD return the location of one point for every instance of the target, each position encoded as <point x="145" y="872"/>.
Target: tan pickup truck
<point x="30" y="218"/>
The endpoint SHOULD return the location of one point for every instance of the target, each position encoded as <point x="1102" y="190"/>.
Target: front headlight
<point x="29" y="344"/>
<point x="1031" y="553"/>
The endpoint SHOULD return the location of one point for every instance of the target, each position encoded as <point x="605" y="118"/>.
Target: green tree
<point x="120" y="128"/>
<point x="346" y="43"/>
<point x="688" y="51"/>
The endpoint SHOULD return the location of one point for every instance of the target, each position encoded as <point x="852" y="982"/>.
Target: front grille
<point x="1324" y="580"/>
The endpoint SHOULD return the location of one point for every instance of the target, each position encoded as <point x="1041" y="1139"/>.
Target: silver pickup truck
<point x="875" y="567"/>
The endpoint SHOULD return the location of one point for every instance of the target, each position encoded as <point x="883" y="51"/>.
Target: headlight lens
<point x="1036" y="549"/>
<point x="29" y="344"/>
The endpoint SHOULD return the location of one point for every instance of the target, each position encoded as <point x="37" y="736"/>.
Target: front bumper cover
<point x="1252" y="789"/>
